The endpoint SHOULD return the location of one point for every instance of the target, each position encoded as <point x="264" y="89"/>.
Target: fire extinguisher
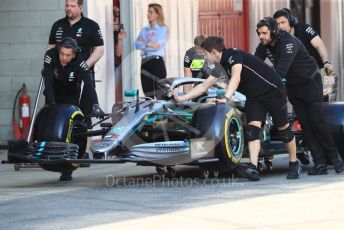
<point x="24" y="108"/>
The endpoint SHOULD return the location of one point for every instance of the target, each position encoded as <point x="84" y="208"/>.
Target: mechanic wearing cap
<point x="64" y="69"/>
<point x="264" y="91"/>
<point x="292" y="61"/>
<point x="86" y="32"/>
<point x="307" y="35"/>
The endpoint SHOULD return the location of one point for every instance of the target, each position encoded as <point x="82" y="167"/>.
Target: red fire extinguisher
<point x="24" y="108"/>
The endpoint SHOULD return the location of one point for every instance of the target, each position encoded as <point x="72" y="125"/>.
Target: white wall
<point x="101" y="12"/>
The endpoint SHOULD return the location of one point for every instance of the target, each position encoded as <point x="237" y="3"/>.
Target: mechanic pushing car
<point x="264" y="91"/>
<point x="287" y="22"/>
<point x="64" y="70"/>
<point x="304" y="87"/>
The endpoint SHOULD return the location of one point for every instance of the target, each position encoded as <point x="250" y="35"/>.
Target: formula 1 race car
<point x="160" y="133"/>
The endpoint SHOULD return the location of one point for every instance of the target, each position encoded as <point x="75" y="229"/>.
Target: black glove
<point x="97" y="112"/>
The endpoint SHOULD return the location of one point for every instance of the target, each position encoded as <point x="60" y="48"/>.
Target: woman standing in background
<point x="152" y="41"/>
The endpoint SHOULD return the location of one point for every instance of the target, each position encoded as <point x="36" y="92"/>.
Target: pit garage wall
<point x="101" y="12"/>
<point x="25" y="27"/>
<point x="181" y="19"/>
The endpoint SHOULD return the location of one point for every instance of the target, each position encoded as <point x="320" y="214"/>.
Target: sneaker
<point x="303" y="157"/>
<point x="294" y="170"/>
<point x="248" y="171"/>
<point x="338" y="163"/>
<point x="319" y="169"/>
<point x="66" y="176"/>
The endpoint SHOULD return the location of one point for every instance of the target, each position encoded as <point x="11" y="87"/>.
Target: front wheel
<point x="222" y="123"/>
<point x="57" y="123"/>
<point x="232" y="143"/>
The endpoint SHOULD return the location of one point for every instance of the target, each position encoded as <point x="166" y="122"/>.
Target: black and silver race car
<point x="160" y="133"/>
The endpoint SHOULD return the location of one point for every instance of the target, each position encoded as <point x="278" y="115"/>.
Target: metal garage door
<point x="226" y="18"/>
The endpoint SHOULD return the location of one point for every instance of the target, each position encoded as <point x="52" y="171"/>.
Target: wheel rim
<point x="234" y="136"/>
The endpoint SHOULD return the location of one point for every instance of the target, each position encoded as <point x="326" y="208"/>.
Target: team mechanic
<point x="195" y="64"/>
<point x="307" y="35"/>
<point x="194" y="59"/>
<point x="287" y="22"/>
<point x="304" y="87"/>
<point x="264" y="92"/>
<point x="86" y="32"/>
<point x="64" y="69"/>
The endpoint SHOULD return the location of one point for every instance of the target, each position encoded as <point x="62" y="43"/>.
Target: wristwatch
<point x="326" y="62"/>
<point x="227" y="99"/>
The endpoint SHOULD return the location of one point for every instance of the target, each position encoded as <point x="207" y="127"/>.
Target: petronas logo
<point x="71" y="76"/>
<point x="79" y="32"/>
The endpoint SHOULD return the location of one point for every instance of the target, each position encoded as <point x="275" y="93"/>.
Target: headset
<point x="291" y="18"/>
<point x="271" y="24"/>
<point x="69" y="42"/>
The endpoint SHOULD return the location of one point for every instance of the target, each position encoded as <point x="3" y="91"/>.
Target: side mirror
<point x="131" y="93"/>
<point x="220" y="92"/>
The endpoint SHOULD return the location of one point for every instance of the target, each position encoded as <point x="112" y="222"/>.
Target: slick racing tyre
<point x="58" y="123"/>
<point x="222" y="122"/>
<point x="232" y="143"/>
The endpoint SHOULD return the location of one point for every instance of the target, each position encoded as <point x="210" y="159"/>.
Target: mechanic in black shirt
<point x="292" y="61"/>
<point x="64" y="70"/>
<point x="309" y="38"/>
<point x="196" y="66"/>
<point x="307" y="35"/>
<point x="264" y="92"/>
<point x="86" y="32"/>
<point x="194" y="59"/>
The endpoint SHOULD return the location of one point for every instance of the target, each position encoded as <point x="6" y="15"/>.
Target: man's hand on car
<point x="176" y="97"/>
<point x="97" y="112"/>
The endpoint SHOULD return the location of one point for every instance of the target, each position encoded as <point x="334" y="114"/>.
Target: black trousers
<point x="307" y="100"/>
<point x="87" y="98"/>
<point x="152" y="70"/>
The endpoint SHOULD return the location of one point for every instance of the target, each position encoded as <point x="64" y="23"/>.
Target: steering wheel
<point x="170" y="84"/>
